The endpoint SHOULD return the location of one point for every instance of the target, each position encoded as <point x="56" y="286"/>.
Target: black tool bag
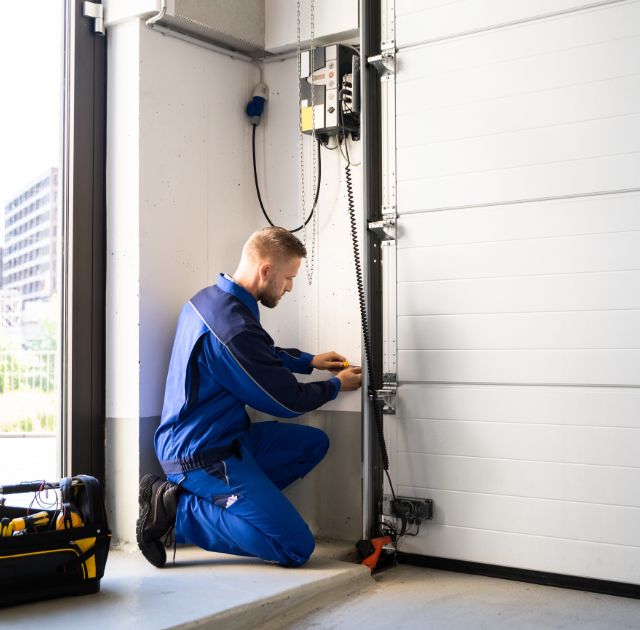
<point x="65" y="556"/>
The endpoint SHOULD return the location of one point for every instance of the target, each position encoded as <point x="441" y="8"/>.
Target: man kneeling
<point x="225" y="475"/>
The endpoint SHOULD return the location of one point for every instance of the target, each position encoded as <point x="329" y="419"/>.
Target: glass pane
<point x="31" y="75"/>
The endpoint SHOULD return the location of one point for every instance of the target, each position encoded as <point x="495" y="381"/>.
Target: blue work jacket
<point x="222" y="360"/>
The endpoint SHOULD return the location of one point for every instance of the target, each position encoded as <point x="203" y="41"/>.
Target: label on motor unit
<point x="306" y="119"/>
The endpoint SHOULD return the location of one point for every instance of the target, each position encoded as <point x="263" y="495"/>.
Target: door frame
<point x="83" y="246"/>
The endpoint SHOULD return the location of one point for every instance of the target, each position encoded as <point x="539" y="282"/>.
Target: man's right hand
<point x="350" y="379"/>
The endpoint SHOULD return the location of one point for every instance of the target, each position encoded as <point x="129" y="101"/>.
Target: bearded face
<point x="271" y="294"/>
<point x="278" y="282"/>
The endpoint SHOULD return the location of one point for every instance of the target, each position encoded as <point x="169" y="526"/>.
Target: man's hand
<point x="329" y="361"/>
<point x="350" y="379"/>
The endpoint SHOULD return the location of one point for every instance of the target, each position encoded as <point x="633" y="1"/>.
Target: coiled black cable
<point x="377" y="411"/>
<point x="255" y="179"/>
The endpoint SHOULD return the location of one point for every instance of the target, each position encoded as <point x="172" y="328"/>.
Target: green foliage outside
<point x="29" y="398"/>
<point x="28" y="412"/>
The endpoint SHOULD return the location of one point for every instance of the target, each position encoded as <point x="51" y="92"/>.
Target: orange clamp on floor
<point x="371" y="548"/>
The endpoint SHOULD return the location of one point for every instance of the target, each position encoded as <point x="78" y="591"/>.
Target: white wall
<point x="196" y="198"/>
<point x="334" y="20"/>
<point x="122" y="317"/>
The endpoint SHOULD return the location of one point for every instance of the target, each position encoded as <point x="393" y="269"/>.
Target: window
<point x="52" y="195"/>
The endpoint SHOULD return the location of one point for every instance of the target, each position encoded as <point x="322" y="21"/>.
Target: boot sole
<point x="144" y="505"/>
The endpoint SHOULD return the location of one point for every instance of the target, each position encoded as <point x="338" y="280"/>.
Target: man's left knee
<point x="320" y="442"/>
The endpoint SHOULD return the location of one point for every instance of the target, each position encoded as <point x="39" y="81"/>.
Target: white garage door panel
<point x="553" y="76"/>
<point x="560" y="73"/>
<point x="419" y="21"/>
<point x="555" y="555"/>
<point x="542" y="122"/>
<point x="590" y="175"/>
<point x="517" y="182"/>
<point x="566" y="143"/>
<point x="585" y="406"/>
<point x="573" y="31"/>
<point x="592" y="252"/>
<point x="565" y="217"/>
<point x="494" y="151"/>
<point x="560" y="482"/>
<point x="551" y="108"/>
<point x="562" y="367"/>
<point x="588" y="522"/>
<point x="600" y="446"/>
<point x="564" y="292"/>
<point x="526" y="67"/>
<point x="535" y="331"/>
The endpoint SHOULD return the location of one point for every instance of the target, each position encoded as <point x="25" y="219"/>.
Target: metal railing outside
<point x="29" y="392"/>
<point x="27" y="370"/>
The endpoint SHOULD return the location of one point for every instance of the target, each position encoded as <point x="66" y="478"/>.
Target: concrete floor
<point x="203" y="590"/>
<point x="207" y="590"/>
<point x="410" y="597"/>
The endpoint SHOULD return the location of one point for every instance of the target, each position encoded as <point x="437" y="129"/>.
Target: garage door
<point x="517" y="271"/>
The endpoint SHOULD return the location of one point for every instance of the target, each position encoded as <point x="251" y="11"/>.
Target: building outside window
<point x="30" y="313"/>
<point x="31" y="250"/>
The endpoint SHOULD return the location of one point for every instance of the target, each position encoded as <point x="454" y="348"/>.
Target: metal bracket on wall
<point x="385" y="62"/>
<point x="385" y="229"/>
<point x="388" y="394"/>
<point x="96" y="12"/>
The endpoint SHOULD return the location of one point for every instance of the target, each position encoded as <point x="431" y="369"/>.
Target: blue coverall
<point x="232" y="471"/>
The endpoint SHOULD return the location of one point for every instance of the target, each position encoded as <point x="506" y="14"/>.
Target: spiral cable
<point x="364" y="321"/>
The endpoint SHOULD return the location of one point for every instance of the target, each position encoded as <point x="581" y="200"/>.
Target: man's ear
<point x="264" y="270"/>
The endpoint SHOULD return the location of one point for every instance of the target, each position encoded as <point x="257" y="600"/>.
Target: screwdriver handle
<point x="7" y="527"/>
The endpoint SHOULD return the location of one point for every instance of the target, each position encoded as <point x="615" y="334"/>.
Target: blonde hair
<point x="274" y="243"/>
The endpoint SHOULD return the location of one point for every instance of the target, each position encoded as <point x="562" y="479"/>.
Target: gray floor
<point x="414" y="597"/>
<point x="202" y="590"/>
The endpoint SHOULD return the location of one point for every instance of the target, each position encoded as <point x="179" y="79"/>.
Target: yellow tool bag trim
<point x="54" y="552"/>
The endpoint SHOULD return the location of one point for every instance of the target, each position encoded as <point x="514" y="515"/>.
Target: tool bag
<point x="57" y="551"/>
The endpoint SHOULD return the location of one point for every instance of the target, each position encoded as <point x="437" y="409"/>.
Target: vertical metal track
<point x="370" y="13"/>
<point x="389" y="208"/>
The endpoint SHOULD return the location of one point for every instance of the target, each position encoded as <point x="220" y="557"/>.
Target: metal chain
<point x="314" y="153"/>
<point x="300" y="138"/>
<point x="310" y="261"/>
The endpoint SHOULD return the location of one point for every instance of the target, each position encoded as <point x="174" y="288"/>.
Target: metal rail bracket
<point x="385" y="62"/>
<point x="387" y="394"/>
<point x="385" y="229"/>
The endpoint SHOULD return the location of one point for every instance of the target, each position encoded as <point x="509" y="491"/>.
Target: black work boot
<point x="158" y="501"/>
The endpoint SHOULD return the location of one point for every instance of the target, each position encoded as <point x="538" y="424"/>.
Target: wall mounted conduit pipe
<point x="158" y="16"/>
